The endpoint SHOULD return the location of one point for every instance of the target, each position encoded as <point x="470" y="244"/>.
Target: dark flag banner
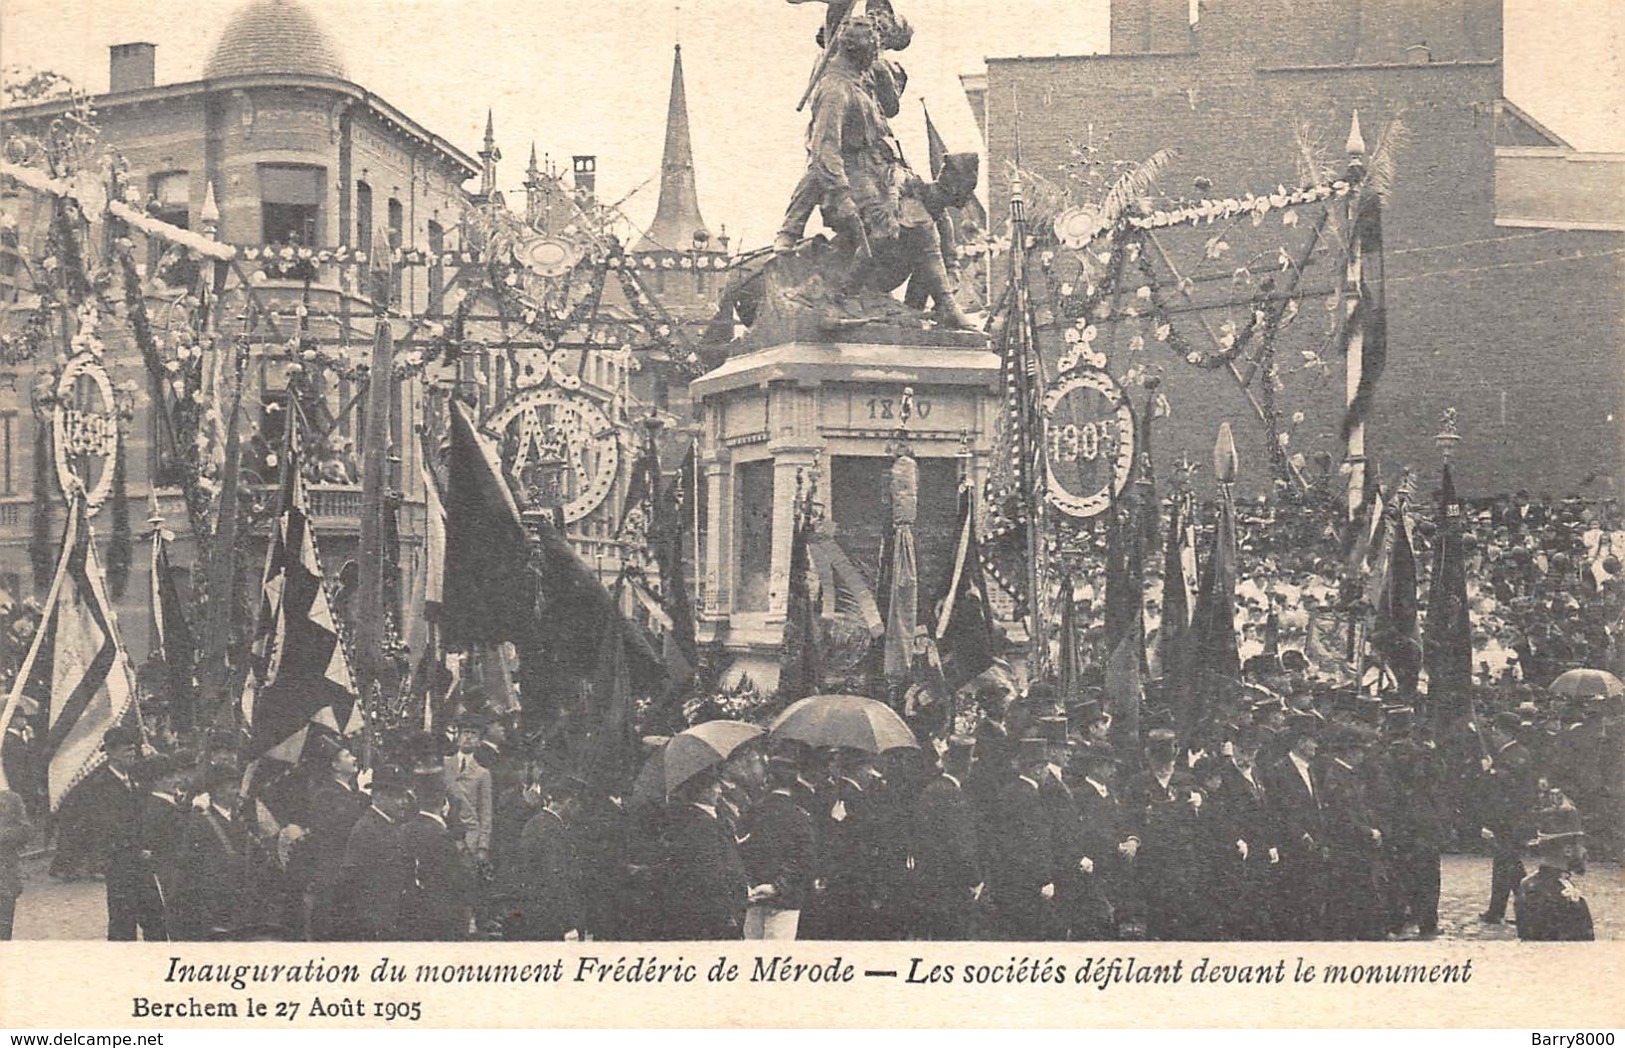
<point x="489" y="596"/>
<point x="172" y="634"/>
<point x="1179" y="579"/>
<point x="434" y="541"/>
<point x="674" y="523"/>
<point x="1125" y="618"/>
<point x="615" y="737"/>
<point x="1208" y="653"/>
<point x="966" y="636"/>
<point x="1069" y="665"/>
<point x="902" y="593"/>
<point x="573" y="613"/>
<point x="78" y="660"/>
<point x="800" y="665"/>
<point x="1395" y="637"/>
<point x="1449" y="638"/>
<point x="300" y="675"/>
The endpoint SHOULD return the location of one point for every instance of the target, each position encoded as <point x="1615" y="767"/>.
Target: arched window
<point x="397" y="240"/>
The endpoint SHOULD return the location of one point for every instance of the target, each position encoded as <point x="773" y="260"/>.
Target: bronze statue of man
<point x="854" y="166"/>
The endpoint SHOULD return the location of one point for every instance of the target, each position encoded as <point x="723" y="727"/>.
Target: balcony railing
<point x="335" y="504"/>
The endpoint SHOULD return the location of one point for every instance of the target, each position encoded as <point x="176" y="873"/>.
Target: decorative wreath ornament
<point x="85" y="423"/>
<point x="547" y="256"/>
<point x="1088" y="442"/>
<point x="542" y="421"/>
<point x="1076" y="227"/>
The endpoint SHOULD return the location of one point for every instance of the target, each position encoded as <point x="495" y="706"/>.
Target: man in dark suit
<point x="778" y="855"/>
<point x="704" y="886"/>
<point x="1421" y="823"/>
<point x="15" y="831"/>
<point x="335" y="805"/>
<point x="165" y="812"/>
<point x="995" y="754"/>
<point x="1163" y="803"/>
<point x="375" y="868"/>
<point x="112" y="801"/>
<point x="439" y="894"/>
<point x="1066" y="835"/>
<point x="213" y="893"/>
<point x="849" y="835"/>
<point x="1513" y="794"/>
<point x="1022" y="867"/>
<point x="1243" y="806"/>
<point x="547" y="889"/>
<point x="1105" y="901"/>
<point x="1293" y="790"/>
<point x="945" y="854"/>
<point x="1355" y="890"/>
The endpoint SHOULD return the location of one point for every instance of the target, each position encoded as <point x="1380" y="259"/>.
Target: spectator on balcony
<point x="336" y="467"/>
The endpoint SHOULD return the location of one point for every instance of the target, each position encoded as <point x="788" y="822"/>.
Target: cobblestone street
<point x="51" y="909"/>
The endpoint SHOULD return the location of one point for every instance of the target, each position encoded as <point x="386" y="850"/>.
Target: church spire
<point x="677" y="216"/>
<point x="489" y="156"/>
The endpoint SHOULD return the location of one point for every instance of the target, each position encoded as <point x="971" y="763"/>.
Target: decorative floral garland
<point x="284" y="256"/>
<point x="1210" y="211"/>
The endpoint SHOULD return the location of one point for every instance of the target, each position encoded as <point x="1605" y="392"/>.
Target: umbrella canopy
<point x="1588" y="684"/>
<point x="687" y="754"/>
<point x="849" y="721"/>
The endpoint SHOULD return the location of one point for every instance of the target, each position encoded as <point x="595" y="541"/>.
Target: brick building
<point x="274" y="146"/>
<point x="1504" y="258"/>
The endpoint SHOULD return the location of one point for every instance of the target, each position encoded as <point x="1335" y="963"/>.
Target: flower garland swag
<point x="1272" y="308"/>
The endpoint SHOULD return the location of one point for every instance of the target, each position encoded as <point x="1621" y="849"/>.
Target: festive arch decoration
<point x="85" y="423"/>
<point x="1088" y="442"/>
<point x="544" y="421"/>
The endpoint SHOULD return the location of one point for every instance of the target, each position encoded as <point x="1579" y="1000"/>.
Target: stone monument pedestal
<point x="827" y="411"/>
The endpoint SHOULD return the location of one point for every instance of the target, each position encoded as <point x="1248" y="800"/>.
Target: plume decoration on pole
<point x="1225" y="463"/>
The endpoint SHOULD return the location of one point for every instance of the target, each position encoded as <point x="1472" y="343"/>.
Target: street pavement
<point x="52" y="909"/>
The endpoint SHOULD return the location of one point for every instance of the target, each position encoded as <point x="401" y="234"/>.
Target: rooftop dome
<point x="274" y="36"/>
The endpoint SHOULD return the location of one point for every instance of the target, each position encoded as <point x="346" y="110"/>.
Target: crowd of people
<point x="1316" y="816"/>
<point x="1297" y="806"/>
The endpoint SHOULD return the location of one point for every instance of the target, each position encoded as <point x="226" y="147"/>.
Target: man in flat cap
<point x="113" y="800"/>
<point x="1061" y="809"/>
<point x="469" y="788"/>
<point x="1243" y="802"/>
<point x="212" y="893"/>
<point x="945" y="849"/>
<point x="1421" y="823"/>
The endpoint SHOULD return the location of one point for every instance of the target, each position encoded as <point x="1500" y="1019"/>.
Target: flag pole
<point x="222" y="578"/>
<point x="1354" y="451"/>
<point x="370" y="624"/>
<point x="1029" y="441"/>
